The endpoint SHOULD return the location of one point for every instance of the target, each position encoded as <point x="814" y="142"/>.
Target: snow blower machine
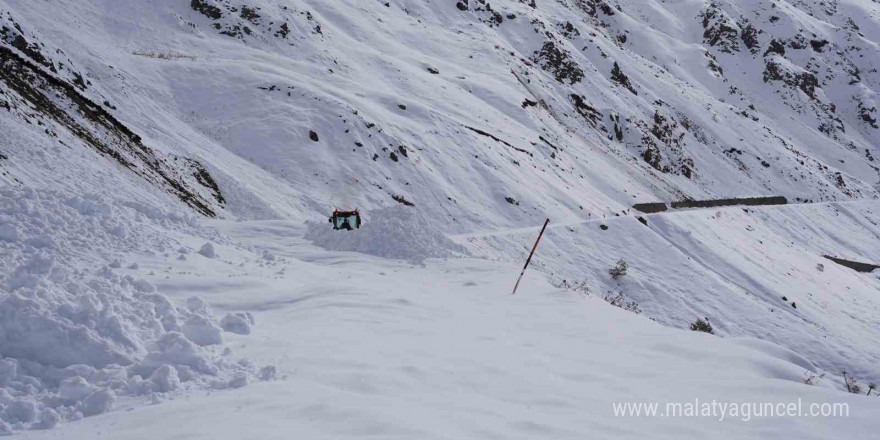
<point x="345" y="220"/>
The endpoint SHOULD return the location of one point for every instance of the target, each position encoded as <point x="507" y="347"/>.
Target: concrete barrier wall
<point x="747" y="201"/>
<point x="649" y="208"/>
<point x="854" y="265"/>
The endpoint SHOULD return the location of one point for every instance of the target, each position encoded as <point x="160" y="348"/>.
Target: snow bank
<point x="72" y="340"/>
<point x="398" y="232"/>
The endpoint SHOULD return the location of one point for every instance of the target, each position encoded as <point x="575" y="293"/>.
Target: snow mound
<point x="238" y="322"/>
<point x="73" y="340"/>
<point x="397" y="233"/>
<point x="207" y="251"/>
<point x="778" y="352"/>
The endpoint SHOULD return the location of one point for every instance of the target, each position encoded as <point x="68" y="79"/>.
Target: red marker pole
<point x="529" y="260"/>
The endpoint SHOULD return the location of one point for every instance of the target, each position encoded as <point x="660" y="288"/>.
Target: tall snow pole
<point x="529" y="260"/>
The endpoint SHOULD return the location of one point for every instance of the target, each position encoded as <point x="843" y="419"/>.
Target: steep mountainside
<point x="464" y="108"/>
<point x="473" y="120"/>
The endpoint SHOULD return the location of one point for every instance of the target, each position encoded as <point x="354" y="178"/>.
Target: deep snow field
<point x="337" y="344"/>
<point x="367" y="347"/>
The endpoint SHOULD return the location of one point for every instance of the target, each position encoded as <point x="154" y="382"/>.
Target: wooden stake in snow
<point x="529" y="260"/>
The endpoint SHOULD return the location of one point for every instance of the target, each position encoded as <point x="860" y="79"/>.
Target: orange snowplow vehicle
<point x="345" y="220"/>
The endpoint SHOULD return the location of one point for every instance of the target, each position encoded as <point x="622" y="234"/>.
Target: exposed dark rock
<point x="713" y="64"/>
<point x="96" y="128"/>
<point x="749" y="36"/>
<point x="402" y="200"/>
<point x="496" y="139"/>
<point x="313" y="136"/>
<point x="203" y="177"/>
<point x="557" y="61"/>
<point x="618" y="77"/>
<point x="652" y="156"/>
<point x="866" y="114"/>
<point x="585" y="110"/>
<point x="772" y="72"/>
<point x="283" y="31"/>
<point x="550" y="144"/>
<point x="594" y="7"/>
<point x="250" y="14"/>
<point x="818" y="45"/>
<point x="775" y="47"/>
<point x="568" y="30"/>
<point x="718" y="30"/>
<point x="206" y="9"/>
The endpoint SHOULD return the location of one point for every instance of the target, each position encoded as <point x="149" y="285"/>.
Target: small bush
<point x="619" y="300"/>
<point x="168" y="55"/>
<point x="579" y="287"/>
<point x="852" y="385"/>
<point x="811" y="378"/>
<point x="619" y="270"/>
<point x="702" y="326"/>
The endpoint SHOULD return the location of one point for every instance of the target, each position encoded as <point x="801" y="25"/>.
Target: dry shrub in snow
<point x="618" y="299"/>
<point x="811" y="378"/>
<point x="619" y="270"/>
<point x="166" y="55"/>
<point x="702" y="326"/>
<point x="852" y="385"/>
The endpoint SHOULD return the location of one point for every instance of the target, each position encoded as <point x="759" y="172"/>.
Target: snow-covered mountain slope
<point x="567" y="107"/>
<point x="122" y="120"/>
<point x="756" y="271"/>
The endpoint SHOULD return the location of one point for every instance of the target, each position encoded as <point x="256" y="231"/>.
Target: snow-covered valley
<point x="167" y="169"/>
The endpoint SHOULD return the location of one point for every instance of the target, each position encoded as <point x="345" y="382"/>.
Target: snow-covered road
<point x="373" y="348"/>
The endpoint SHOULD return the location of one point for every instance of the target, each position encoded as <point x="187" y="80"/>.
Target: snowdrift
<point x="397" y="232"/>
<point x="72" y="338"/>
